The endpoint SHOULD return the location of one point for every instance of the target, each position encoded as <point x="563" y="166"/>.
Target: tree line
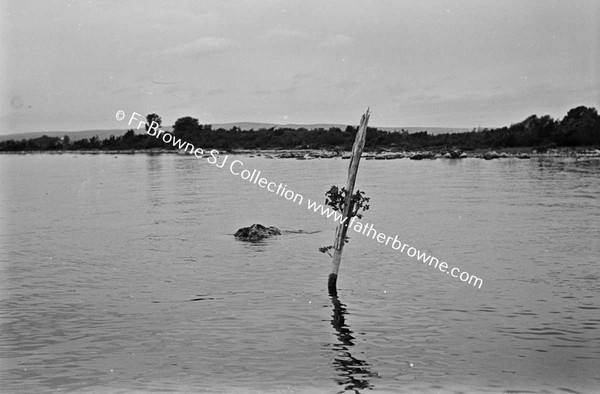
<point x="580" y="127"/>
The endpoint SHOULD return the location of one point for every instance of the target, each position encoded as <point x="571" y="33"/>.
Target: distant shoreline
<point x="578" y="131"/>
<point x="308" y="154"/>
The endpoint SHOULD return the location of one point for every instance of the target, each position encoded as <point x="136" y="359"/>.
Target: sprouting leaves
<point x="326" y="249"/>
<point x="336" y="199"/>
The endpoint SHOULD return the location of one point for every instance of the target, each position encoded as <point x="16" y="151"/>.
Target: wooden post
<point x="342" y="229"/>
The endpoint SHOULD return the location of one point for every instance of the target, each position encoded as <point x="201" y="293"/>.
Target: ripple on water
<point x="123" y="275"/>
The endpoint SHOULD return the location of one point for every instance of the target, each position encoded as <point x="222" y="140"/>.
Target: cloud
<point x="336" y="41"/>
<point x="202" y="46"/>
<point x="179" y="15"/>
<point x="281" y="34"/>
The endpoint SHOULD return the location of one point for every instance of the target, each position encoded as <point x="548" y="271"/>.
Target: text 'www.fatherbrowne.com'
<point x="236" y="167"/>
<point x="368" y="230"/>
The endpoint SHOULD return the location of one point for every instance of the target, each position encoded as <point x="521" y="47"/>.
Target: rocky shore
<point x="310" y="154"/>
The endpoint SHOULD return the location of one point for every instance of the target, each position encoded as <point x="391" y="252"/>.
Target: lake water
<point x="121" y="274"/>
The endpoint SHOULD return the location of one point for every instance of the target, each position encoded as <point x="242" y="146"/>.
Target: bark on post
<point x="342" y="229"/>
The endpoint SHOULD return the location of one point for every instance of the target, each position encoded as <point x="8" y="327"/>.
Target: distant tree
<point x="66" y="142"/>
<point x="545" y="128"/>
<point x="153" y="118"/>
<point x="110" y="143"/>
<point x="83" y="143"/>
<point x="186" y="127"/>
<point x="129" y="135"/>
<point x="581" y="112"/>
<point x="94" y="142"/>
<point x="581" y="126"/>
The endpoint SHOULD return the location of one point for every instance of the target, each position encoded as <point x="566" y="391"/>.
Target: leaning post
<point x="342" y="229"/>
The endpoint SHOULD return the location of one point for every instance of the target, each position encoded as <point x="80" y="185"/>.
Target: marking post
<point x="342" y="229"/>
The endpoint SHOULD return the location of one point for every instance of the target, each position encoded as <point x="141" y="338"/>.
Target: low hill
<point x="103" y="134"/>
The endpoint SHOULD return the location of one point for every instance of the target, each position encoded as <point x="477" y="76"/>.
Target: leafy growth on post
<point x="336" y="199"/>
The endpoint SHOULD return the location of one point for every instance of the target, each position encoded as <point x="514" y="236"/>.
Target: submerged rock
<point x="490" y="155"/>
<point x="456" y="154"/>
<point x="389" y="156"/>
<point x="423" y="155"/>
<point x="256" y="232"/>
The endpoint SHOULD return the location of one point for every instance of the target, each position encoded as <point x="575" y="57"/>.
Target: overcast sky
<point x="70" y="65"/>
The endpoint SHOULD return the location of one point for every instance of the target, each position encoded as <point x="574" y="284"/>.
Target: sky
<point x="70" y="65"/>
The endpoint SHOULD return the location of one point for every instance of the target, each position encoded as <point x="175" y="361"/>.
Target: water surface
<point x="121" y="273"/>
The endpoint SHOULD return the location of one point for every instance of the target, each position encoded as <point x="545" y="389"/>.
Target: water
<point x="121" y="274"/>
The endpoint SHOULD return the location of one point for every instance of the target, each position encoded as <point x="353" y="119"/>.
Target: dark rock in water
<point x="456" y="154"/>
<point x="490" y="155"/>
<point x="453" y="154"/>
<point x="256" y="232"/>
<point x="423" y="155"/>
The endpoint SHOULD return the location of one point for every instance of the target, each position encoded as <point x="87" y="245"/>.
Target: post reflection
<point x="155" y="181"/>
<point x="353" y="373"/>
